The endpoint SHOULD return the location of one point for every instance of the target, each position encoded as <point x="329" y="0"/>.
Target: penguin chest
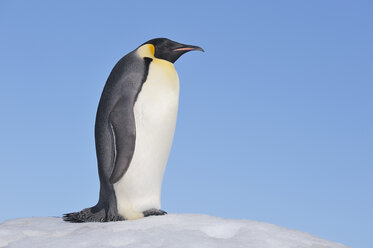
<point x="157" y="103"/>
<point x="155" y="113"/>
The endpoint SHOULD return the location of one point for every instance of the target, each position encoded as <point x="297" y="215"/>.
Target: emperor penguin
<point x="134" y="130"/>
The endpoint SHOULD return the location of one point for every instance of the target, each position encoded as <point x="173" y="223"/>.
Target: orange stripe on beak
<point x="184" y="49"/>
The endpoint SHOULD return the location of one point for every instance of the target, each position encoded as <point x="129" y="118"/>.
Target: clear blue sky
<point x="275" y="120"/>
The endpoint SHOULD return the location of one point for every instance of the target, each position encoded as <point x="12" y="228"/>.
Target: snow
<point x="172" y="230"/>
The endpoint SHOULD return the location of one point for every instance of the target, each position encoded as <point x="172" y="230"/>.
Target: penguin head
<point x="170" y="50"/>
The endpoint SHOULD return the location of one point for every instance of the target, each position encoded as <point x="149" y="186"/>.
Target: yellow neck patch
<point x="168" y="68"/>
<point x="146" y="50"/>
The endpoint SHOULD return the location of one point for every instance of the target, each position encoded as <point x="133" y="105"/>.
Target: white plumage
<point x="155" y="116"/>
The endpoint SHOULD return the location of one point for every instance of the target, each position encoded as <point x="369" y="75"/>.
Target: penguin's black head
<point x="170" y="50"/>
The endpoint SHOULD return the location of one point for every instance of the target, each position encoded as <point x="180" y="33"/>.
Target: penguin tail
<point x="90" y="215"/>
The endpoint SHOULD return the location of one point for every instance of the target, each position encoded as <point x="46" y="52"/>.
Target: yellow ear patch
<point x="146" y="50"/>
<point x="152" y="49"/>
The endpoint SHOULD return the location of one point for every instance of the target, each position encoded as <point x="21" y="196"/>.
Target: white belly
<point x="155" y="115"/>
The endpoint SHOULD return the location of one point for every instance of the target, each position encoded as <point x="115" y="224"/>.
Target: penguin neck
<point x="147" y="51"/>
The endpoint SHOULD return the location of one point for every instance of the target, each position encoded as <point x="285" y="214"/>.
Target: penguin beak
<point x="187" y="48"/>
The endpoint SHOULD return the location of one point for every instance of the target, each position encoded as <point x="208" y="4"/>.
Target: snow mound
<point x="172" y="230"/>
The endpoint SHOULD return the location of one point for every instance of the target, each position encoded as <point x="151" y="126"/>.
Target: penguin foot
<point x="154" y="211"/>
<point x="92" y="215"/>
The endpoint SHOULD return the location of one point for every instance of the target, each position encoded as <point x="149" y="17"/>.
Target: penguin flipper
<point x="123" y="127"/>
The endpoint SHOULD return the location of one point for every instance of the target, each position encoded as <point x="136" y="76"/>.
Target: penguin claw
<point x="88" y="215"/>
<point x="154" y="211"/>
